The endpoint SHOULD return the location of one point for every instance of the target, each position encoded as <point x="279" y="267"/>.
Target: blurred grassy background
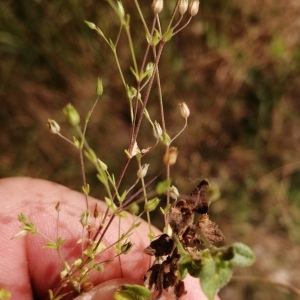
<point x="238" y="69"/>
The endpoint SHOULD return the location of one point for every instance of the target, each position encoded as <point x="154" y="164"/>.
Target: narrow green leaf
<point x="110" y="204"/>
<point x="123" y="196"/>
<point x="102" y="176"/>
<point x="50" y="245"/>
<point x="135" y="74"/>
<point x="166" y="209"/>
<point x="60" y="241"/>
<point x="86" y="189"/>
<point x="90" y="155"/>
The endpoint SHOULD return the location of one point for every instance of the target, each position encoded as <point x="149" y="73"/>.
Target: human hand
<point x="28" y="271"/>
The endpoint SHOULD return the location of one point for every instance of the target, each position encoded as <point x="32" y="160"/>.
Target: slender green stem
<point x="180" y="132"/>
<point x="188" y="21"/>
<point x="146" y="98"/>
<point x="119" y="66"/>
<point x="142" y="17"/>
<point x="173" y="14"/>
<point x="127" y="29"/>
<point x="166" y="216"/>
<point x="144" y="194"/>
<point x="161" y="104"/>
<point x="118" y="36"/>
<point x="131" y="141"/>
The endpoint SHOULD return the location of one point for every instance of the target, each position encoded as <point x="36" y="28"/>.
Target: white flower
<point x="157" y="131"/>
<point x="135" y="150"/>
<point x="141" y="173"/>
<point x="53" y="126"/>
<point x="174" y="194"/>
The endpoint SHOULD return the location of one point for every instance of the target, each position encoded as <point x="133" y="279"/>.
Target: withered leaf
<point x="197" y="199"/>
<point x="209" y="229"/>
<point x="151" y="277"/>
<point x="164" y="276"/>
<point x="180" y="217"/>
<point x="179" y="289"/>
<point x="162" y="246"/>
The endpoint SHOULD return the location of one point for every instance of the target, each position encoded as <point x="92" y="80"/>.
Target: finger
<point x="25" y="258"/>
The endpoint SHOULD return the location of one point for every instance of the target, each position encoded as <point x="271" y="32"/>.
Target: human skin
<point x="28" y="271"/>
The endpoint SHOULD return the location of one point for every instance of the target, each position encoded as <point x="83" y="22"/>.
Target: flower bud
<point x="134" y="208"/>
<point x="141" y="173"/>
<point x="71" y="114"/>
<point x="99" y="89"/>
<point x="157" y="6"/>
<point x="135" y="150"/>
<point x="78" y="262"/>
<point x="183" y="6"/>
<point x="157" y="131"/>
<point x="194" y="7"/>
<point x="170" y="156"/>
<point x="85" y="218"/>
<point x="149" y="69"/>
<point x="125" y="248"/>
<point x="53" y="126"/>
<point x="184" y="110"/>
<point x="120" y="9"/>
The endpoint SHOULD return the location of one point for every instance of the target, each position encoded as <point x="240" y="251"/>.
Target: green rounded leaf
<point x="243" y="255"/>
<point x="209" y="278"/>
<point x="132" y="292"/>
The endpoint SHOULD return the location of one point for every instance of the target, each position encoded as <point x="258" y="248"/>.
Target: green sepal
<point x="151" y="204"/>
<point x="167" y="35"/>
<point x="163" y="186"/>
